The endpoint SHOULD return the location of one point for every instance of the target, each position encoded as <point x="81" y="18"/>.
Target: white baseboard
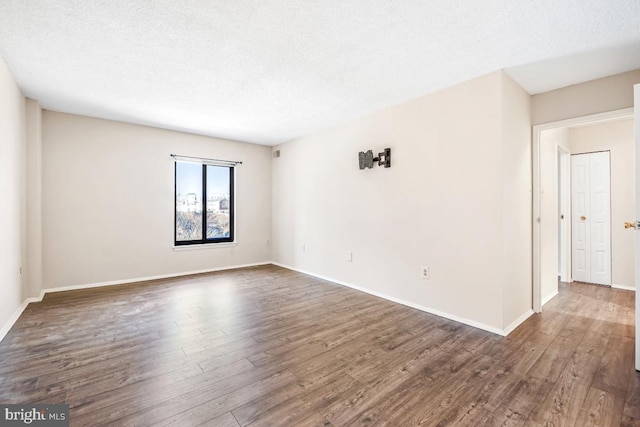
<point x="147" y="278"/>
<point x="625" y="288"/>
<point x="549" y="297"/>
<point x="503" y="332"/>
<point x="517" y="322"/>
<point x="12" y="320"/>
<point x="14" y="317"/>
<point x="468" y="322"/>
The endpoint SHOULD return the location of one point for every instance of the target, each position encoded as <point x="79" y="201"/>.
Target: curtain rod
<point x="205" y="160"/>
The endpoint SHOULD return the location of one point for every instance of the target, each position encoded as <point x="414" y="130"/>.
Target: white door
<point x="580" y="260"/>
<point x="591" y="218"/>
<point x="600" y="167"/>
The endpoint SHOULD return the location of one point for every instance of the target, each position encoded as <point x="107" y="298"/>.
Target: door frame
<point x="636" y="117"/>
<point x="536" y="189"/>
<point x="564" y="208"/>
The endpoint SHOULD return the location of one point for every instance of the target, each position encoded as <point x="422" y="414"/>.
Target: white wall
<point x="33" y="271"/>
<point x="550" y="140"/>
<point x="592" y="97"/>
<point x="617" y="137"/>
<point x="12" y="172"/>
<point x="516" y="200"/>
<point x="107" y="204"/>
<point x="442" y="204"/>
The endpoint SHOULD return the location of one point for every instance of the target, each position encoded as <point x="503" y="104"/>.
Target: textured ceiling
<point x="267" y="71"/>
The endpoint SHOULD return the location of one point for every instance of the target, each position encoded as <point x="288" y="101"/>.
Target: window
<point x="203" y="203"/>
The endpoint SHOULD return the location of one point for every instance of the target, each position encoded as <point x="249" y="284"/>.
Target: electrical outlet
<point x="425" y="272"/>
<point x="303" y="248"/>
<point x="349" y="256"/>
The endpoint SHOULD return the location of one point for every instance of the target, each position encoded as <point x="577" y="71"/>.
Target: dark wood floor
<point x="266" y="346"/>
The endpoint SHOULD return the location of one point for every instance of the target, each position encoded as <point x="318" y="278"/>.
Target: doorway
<point x="549" y="254"/>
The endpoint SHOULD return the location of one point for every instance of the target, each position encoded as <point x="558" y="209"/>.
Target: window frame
<point x="232" y="217"/>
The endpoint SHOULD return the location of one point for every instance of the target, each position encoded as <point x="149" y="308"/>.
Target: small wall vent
<point x="276" y="154"/>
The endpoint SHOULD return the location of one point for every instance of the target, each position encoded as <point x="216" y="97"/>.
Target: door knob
<point x="583" y="218"/>
<point x="635" y="225"/>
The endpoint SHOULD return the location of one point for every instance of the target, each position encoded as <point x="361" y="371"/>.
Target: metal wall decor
<point x="366" y="160"/>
